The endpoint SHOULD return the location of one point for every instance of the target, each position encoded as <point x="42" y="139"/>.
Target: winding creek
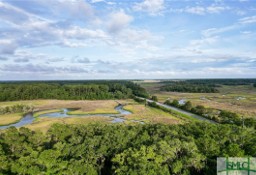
<point x="29" y="118"/>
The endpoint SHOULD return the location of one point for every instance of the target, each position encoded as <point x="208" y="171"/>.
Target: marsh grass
<point x="8" y="119"/>
<point x="150" y="115"/>
<point x="96" y="111"/>
<point x="43" y="124"/>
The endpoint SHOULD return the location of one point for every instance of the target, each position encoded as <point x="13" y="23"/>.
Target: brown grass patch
<point x="7" y="119"/>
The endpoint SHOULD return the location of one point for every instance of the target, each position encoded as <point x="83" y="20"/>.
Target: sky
<point x="127" y="39"/>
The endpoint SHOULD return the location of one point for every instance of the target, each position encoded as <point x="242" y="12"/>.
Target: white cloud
<point x="195" y="10"/>
<point x="150" y="6"/>
<point x="12" y="14"/>
<point x="118" y="21"/>
<point x="214" y="31"/>
<point x="240" y="12"/>
<point x="96" y="1"/>
<point x="216" y="9"/>
<point x="115" y="32"/>
<point x="246" y="32"/>
<point x="204" y="41"/>
<point x="78" y="59"/>
<point x="199" y="10"/>
<point x="79" y="33"/>
<point x="216" y="66"/>
<point x="21" y="60"/>
<point x="109" y="33"/>
<point x="248" y="20"/>
<point x="77" y="9"/>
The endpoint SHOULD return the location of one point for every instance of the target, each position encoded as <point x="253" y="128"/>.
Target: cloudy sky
<point x="127" y="39"/>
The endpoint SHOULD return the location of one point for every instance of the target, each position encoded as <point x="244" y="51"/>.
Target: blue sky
<point x="128" y="39"/>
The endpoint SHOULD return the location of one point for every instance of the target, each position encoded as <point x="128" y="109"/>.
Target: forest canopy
<point x="123" y="149"/>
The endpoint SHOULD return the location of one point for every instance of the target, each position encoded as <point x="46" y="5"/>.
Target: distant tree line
<point x="202" y="85"/>
<point x="217" y="82"/>
<point x="254" y="84"/>
<point x="189" y="87"/>
<point x="122" y="149"/>
<point x="70" y="90"/>
<point x="220" y="116"/>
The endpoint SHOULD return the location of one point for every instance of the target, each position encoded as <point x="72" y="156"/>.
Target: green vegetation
<point x="123" y="149"/>
<point x="187" y="86"/>
<point x="230" y="82"/>
<point x="220" y="116"/>
<point x="12" y="114"/>
<point x="154" y="98"/>
<point x="172" y="112"/>
<point x="254" y="85"/>
<point x="139" y="100"/>
<point x="18" y="108"/>
<point x="70" y="90"/>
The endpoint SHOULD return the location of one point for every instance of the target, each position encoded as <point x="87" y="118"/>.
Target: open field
<point x="150" y="115"/>
<point x="239" y="99"/>
<point x="10" y="118"/>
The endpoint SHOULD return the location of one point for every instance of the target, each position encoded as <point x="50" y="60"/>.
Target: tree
<point x="154" y="98"/>
<point x="199" y="109"/>
<point x="175" y="103"/>
<point x="187" y="106"/>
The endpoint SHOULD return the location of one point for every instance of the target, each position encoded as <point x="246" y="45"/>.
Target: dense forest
<point x="123" y="149"/>
<point x="69" y="90"/>
<point x="202" y="85"/>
